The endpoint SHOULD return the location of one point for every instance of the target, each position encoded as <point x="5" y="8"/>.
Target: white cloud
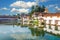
<point x="57" y="8"/>
<point x="41" y="0"/>
<point x="14" y="10"/>
<point x="20" y="10"/>
<point x="4" y="8"/>
<point x="23" y="10"/>
<point x="49" y="6"/>
<point x="22" y="4"/>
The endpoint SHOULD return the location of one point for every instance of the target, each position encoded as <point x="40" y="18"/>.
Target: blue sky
<point x="23" y="6"/>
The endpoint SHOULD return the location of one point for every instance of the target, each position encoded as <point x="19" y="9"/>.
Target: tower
<point x="46" y="10"/>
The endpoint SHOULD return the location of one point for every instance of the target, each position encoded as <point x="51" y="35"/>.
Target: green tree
<point x="18" y="15"/>
<point x="32" y="10"/>
<point x="36" y="22"/>
<point x="43" y="8"/>
<point x="37" y="8"/>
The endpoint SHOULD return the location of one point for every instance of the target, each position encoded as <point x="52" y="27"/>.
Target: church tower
<point x="46" y="10"/>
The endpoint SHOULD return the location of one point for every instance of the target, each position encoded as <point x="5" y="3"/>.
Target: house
<point x="24" y="19"/>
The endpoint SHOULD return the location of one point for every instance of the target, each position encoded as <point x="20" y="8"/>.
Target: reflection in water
<point x="32" y="34"/>
<point x="17" y="32"/>
<point x="37" y="32"/>
<point x="34" y="31"/>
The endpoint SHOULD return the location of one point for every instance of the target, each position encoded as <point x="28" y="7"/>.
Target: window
<point x="45" y="23"/>
<point x="56" y="27"/>
<point x="49" y="26"/>
<point x="42" y="23"/>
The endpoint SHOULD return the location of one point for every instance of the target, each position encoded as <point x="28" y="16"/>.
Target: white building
<point x="37" y="16"/>
<point x="25" y="19"/>
<point x="51" y="21"/>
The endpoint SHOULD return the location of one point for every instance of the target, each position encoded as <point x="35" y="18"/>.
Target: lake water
<point x="13" y="32"/>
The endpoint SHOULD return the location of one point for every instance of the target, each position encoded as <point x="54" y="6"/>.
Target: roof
<point x="52" y="14"/>
<point x="37" y="13"/>
<point x="46" y="14"/>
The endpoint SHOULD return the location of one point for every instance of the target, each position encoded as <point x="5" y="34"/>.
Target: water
<point x="13" y="32"/>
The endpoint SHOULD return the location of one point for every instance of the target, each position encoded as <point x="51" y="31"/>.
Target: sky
<point x="10" y="7"/>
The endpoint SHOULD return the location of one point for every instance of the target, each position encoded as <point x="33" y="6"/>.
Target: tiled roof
<point x="46" y="14"/>
<point x="52" y="14"/>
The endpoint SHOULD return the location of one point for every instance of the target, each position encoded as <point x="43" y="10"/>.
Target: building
<point x="24" y="19"/>
<point x="51" y="21"/>
<point x="8" y="19"/>
<point x="37" y="16"/>
<point x="46" y="10"/>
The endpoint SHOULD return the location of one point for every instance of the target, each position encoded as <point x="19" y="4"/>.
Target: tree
<point x="43" y="8"/>
<point x="37" y="8"/>
<point x="32" y="10"/>
<point x="18" y="15"/>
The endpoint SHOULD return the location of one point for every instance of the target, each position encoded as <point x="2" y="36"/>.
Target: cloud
<point x="4" y="8"/>
<point x="22" y="4"/>
<point x="57" y="8"/>
<point x="50" y="6"/>
<point x="14" y="10"/>
<point x="23" y="10"/>
<point x="41" y="0"/>
<point x="20" y="10"/>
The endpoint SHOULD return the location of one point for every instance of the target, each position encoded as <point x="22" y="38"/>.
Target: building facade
<point x="8" y="19"/>
<point x="37" y="16"/>
<point x="24" y="19"/>
<point x="50" y="21"/>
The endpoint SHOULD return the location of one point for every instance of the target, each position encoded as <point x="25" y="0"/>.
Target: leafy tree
<point x="32" y="10"/>
<point x="37" y="8"/>
<point x="43" y="8"/>
<point x="18" y="15"/>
